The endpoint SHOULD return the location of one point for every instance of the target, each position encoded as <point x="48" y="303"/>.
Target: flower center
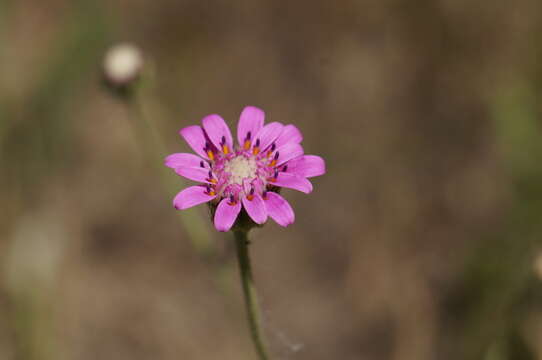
<point x="241" y="167"/>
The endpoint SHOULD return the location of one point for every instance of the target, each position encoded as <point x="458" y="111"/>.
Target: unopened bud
<point x="122" y="66"/>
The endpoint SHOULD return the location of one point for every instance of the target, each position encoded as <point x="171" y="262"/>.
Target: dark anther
<point x="208" y="187"/>
<point x="210" y="174"/>
<point x="285" y="168"/>
<point x="207" y="146"/>
<point x="273" y="147"/>
<point x="248" y="136"/>
<point x="232" y="199"/>
<point x="276" y="155"/>
<point x="223" y="141"/>
<point x="201" y="163"/>
<point x="264" y="194"/>
<point x="276" y="174"/>
<point x="252" y="191"/>
<point x="257" y="143"/>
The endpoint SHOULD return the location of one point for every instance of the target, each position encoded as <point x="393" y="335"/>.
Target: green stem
<point x="152" y="141"/>
<point x="249" y="292"/>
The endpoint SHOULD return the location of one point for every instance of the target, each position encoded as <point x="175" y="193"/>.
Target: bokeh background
<point x="421" y="242"/>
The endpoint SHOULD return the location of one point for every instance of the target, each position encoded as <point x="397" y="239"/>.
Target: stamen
<point x="285" y="168"/>
<point x="256" y="149"/>
<point x="232" y="200"/>
<point x="264" y="195"/>
<point x="274" y="178"/>
<point x="225" y="149"/>
<point x="273" y="147"/>
<point x="250" y="196"/>
<point x="210" y="190"/>
<point x="274" y="161"/>
<point x="201" y="163"/>
<point x="246" y="145"/>
<point x="211" y="179"/>
<point x="209" y="151"/>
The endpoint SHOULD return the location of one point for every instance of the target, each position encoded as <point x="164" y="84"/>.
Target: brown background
<point x="420" y="242"/>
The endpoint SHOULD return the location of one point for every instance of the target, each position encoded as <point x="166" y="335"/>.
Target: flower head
<point x="246" y="175"/>
<point x="122" y="66"/>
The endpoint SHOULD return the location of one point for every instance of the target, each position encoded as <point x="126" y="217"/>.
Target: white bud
<point x="122" y="64"/>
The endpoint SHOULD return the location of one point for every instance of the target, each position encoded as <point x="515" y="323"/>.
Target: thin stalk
<point x="154" y="145"/>
<point x="249" y="293"/>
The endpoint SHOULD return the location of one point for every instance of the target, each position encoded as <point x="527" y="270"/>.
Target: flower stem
<point x="249" y="293"/>
<point x="152" y="142"/>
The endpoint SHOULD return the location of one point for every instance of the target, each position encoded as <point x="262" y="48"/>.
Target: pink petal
<point x="216" y="129"/>
<point x="195" y="137"/>
<point x="191" y="196"/>
<point x="255" y="209"/>
<point x="226" y="214"/>
<point x="251" y="120"/>
<point x="279" y="209"/>
<point x="178" y="160"/>
<point x="290" y="134"/>
<point x="198" y="174"/>
<point x="288" y="152"/>
<point x="268" y="134"/>
<point x="307" y="166"/>
<point x="292" y="181"/>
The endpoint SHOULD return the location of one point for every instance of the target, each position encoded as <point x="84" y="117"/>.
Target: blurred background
<point x="422" y="241"/>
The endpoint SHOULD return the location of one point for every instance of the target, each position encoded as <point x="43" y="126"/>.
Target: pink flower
<point x="246" y="175"/>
